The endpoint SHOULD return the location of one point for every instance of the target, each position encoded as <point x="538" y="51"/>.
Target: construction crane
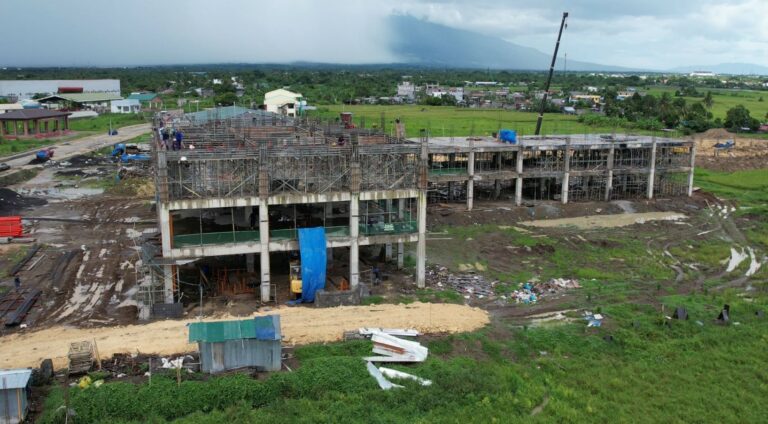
<point x="563" y="25"/>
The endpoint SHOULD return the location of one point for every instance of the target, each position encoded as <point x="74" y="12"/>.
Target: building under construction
<point x="232" y="202"/>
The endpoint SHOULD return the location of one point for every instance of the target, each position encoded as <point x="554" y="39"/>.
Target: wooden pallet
<point x="80" y="357"/>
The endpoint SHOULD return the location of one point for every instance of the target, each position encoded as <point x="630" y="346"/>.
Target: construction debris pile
<point x="474" y="286"/>
<point x="471" y="286"/>
<point x="532" y="291"/>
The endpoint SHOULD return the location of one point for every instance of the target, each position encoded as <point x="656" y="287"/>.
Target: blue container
<point x="508" y="136"/>
<point x="42" y="154"/>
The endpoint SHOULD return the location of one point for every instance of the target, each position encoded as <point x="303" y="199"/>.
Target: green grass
<point x="446" y="121"/>
<point x="11" y="147"/>
<point x="18" y="176"/>
<point x="650" y="372"/>
<point x="725" y="99"/>
<point x="101" y="123"/>
<point x="11" y="257"/>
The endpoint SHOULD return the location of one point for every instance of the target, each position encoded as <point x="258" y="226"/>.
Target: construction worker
<point x="17" y="281"/>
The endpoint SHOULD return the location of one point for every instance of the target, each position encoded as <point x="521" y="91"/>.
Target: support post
<point x="566" y="170"/>
<point x="609" y="181"/>
<point x="168" y="283"/>
<point x="264" y="241"/>
<point x="421" y="248"/>
<point x="519" y="180"/>
<point x="388" y="245"/>
<point x="471" y="172"/>
<point x="400" y="244"/>
<point x="421" y="244"/>
<point x="328" y="250"/>
<point x="354" y="246"/>
<point x="652" y="171"/>
<point x="250" y="262"/>
<point x="690" y="173"/>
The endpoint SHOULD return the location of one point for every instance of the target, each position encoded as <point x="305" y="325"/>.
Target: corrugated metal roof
<point x="14" y="379"/>
<point x="25" y="114"/>
<point x="83" y="97"/>
<point x="142" y="97"/>
<point x="260" y="328"/>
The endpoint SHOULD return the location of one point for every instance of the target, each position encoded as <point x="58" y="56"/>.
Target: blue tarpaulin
<point x="313" y="261"/>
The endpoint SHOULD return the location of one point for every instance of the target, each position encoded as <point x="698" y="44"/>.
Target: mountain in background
<point x="424" y="43"/>
<point x="727" y="68"/>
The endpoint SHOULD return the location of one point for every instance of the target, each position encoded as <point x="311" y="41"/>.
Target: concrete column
<point x="354" y="249"/>
<point x="609" y="181"/>
<point x="388" y="246"/>
<point x="328" y="250"/>
<point x="471" y="181"/>
<point x="519" y="181"/>
<point x="264" y="240"/>
<point x="26" y="128"/>
<point x="690" y="173"/>
<point x="652" y="171"/>
<point x="421" y="247"/>
<point x="250" y="262"/>
<point x="168" y="278"/>
<point x="566" y="171"/>
<point x="400" y="244"/>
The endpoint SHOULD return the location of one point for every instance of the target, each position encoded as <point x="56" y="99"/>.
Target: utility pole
<point x="549" y="79"/>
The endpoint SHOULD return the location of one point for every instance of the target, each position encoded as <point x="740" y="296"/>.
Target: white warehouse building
<point x="26" y="89"/>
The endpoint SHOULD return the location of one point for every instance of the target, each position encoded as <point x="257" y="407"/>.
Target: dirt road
<point x="82" y="145"/>
<point x="300" y="325"/>
<point x="605" y="221"/>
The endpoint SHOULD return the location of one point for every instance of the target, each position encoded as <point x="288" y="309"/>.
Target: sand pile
<point x="300" y="325"/>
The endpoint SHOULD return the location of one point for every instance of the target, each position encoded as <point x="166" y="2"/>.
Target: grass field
<point x="446" y="121"/>
<point x="102" y="122"/>
<point x="725" y="99"/>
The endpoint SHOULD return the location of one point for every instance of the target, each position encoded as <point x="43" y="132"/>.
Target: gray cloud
<point x="656" y="34"/>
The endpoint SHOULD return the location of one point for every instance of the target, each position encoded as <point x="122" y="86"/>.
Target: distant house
<point x="77" y="101"/>
<point x="228" y="345"/>
<point x="148" y="100"/>
<point x="407" y="90"/>
<point x="10" y="106"/>
<point x="589" y="98"/>
<point x="284" y="102"/>
<point x="126" y="106"/>
<point x="14" y="395"/>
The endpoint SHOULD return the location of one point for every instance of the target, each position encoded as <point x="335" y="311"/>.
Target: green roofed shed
<point x="226" y="345"/>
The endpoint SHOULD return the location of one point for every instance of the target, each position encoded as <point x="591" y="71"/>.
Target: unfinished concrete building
<point x="559" y="168"/>
<point x="231" y="203"/>
<point x="243" y="187"/>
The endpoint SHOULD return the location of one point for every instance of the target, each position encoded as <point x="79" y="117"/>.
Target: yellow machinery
<point x="295" y="276"/>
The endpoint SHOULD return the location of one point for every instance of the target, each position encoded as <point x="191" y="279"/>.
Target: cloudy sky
<point x="651" y="34"/>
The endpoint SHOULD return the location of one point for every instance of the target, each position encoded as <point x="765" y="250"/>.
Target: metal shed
<point x="14" y="393"/>
<point x="227" y="345"/>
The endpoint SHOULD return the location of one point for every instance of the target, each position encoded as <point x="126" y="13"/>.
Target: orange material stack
<point x="10" y="226"/>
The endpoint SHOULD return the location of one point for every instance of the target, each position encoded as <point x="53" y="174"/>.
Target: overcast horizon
<point x="649" y="34"/>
